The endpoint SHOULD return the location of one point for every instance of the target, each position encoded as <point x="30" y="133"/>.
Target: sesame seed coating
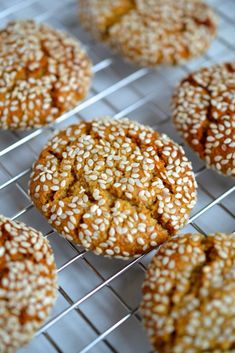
<point x="43" y="73"/>
<point x="151" y="32"/>
<point x="114" y="186"/>
<point x="189" y="295"/>
<point x="204" y="113"/>
<point x="28" y="283"/>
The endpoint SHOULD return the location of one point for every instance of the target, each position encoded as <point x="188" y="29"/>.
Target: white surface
<point x="113" y="288"/>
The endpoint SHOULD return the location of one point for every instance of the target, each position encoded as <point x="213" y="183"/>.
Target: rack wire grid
<point x="97" y="306"/>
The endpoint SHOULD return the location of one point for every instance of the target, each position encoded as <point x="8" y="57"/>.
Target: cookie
<point x="189" y="295"/>
<point x="43" y="73"/>
<point x="114" y="186"/>
<point x="28" y="283"/>
<point x="151" y="32"/>
<point x="204" y="114"/>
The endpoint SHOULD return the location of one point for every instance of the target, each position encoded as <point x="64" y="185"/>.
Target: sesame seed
<point x="140" y="241"/>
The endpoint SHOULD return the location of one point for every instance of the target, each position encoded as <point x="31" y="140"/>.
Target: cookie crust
<point x="114" y="186"/>
<point x="43" y="73"/>
<point x="189" y="294"/>
<point x="204" y="114"/>
<point x="28" y="283"/>
<point x="151" y="32"/>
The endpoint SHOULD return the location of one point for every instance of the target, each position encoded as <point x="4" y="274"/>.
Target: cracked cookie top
<point x="28" y="283"/>
<point x="189" y="295"/>
<point x="151" y="32"/>
<point x="114" y="186"/>
<point x="204" y="113"/>
<point x="43" y="73"/>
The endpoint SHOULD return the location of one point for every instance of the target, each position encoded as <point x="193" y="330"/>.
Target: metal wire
<point x="16" y="179"/>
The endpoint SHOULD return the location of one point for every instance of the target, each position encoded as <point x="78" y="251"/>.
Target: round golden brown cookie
<point x="28" y="283"/>
<point x="151" y="32"/>
<point x="43" y="73"/>
<point x="189" y="295"/>
<point x="204" y="113"/>
<point x="114" y="186"/>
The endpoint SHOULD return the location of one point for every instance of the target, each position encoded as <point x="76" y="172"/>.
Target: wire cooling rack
<point x="97" y="307"/>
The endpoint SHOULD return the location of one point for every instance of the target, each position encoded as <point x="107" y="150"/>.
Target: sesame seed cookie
<point x="151" y="32"/>
<point x="204" y="113"/>
<point x="189" y="295"/>
<point x="43" y="73"/>
<point x="28" y="283"/>
<point x="114" y="186"/>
